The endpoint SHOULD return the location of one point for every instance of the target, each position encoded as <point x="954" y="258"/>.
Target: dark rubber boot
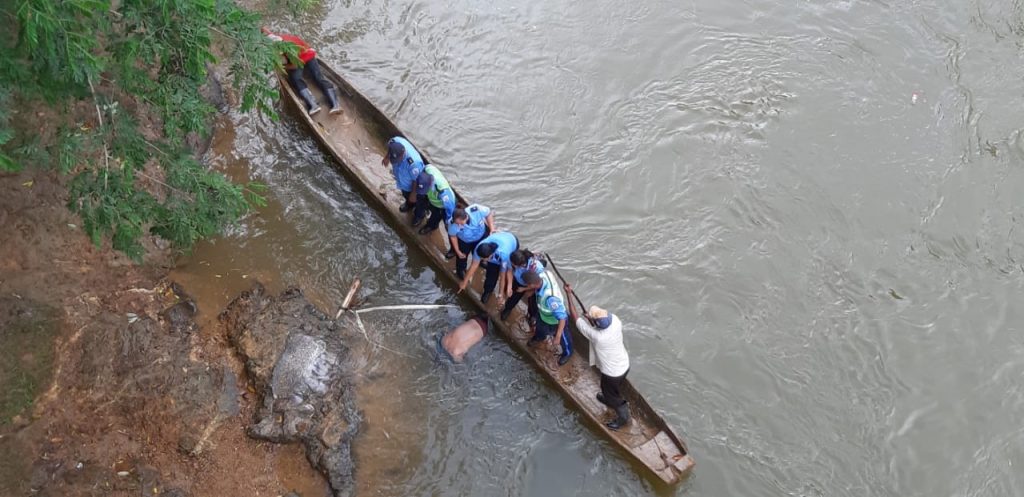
<point x="332" y="98"/>
<point x="600" y="398"/>
<point x="311" y="106"/>
<point x="485" y="297"/>
<point x="426" y="230"/>
<point x="406" y="206"/>
<point x="450" y="254"/>
<point x="623" y="417"/>
<point x="564" y="359"/>
<point x="505" y="312"/>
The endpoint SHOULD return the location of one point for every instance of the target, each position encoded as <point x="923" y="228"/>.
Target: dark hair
<point x="531" y="278"/>
<point x="460" y="214"/>
<point x="485" y="250"/>
<point x="520" y="257"/>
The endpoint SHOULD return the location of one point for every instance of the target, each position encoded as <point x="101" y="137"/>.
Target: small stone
<point x="123" y="474"/>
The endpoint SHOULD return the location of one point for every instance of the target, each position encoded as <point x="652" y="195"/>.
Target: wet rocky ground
<point x="296" y="358"/>
<point x="110" y="387"/>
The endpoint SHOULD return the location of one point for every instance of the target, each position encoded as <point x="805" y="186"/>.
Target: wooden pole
<point x="552" y="264"/>
<point x="345" y="304"/>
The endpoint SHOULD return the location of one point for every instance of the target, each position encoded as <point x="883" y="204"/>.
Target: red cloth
<point x="306" y="54"/>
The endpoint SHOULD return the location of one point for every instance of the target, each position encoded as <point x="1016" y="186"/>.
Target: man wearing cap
<point x="467" y="228"/>
<point x="310" y="67"/>
<point x="551" y="315"/>
<point x="609" y="353"/>
<point x="435" y="196"/>
<point x="406" y="166"/>
<point x="493" y="252"/>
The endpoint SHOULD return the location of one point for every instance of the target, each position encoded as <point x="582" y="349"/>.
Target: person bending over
<point x="406" y="165"/>
<point x="523" y="261"/>
<point x="493" y="252"/>
<point x="435" y="196"/>
<point x="468" y="227"/>
<point x="551" y="314"/>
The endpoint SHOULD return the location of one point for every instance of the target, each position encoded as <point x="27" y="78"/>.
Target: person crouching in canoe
<point x="435" y="196"/>
<point x="551" y="314"/>
<point x="607" y="350"/>
<point x="493" y="252"/>
<point x="406" y="165"/>
<point x="467" y="228"/>
<point x="310" y="67"/>
<point x="523" y="261"/>
<point x="458" y="341"/>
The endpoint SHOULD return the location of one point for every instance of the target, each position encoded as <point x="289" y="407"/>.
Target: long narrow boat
<point x="357" y="139"/>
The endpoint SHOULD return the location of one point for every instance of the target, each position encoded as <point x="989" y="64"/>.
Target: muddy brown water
<point x="806" y="213"/>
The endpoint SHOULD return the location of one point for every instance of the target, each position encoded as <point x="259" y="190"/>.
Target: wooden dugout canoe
<point x="356" y="140"/>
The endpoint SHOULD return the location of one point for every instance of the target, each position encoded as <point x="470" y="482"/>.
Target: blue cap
<point x="604" y="322"/>
<point x="423" y="183"/>
<point x="395" y="151"/>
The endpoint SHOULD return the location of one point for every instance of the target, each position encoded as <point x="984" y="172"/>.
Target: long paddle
<point x="553" y="266"/>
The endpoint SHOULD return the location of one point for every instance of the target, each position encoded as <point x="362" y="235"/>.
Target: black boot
<point x="406" y="206"/>
<point x="505" y="312"/>
<point x="311" y="106"/>
<point x="332" y="98"/>
<point x="450" y="254"/>
<point x="485" y="297"/>
<point x="600" y="398"/>
<point x="623" y="417"/>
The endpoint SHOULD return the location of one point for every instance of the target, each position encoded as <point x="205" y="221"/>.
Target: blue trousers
<point x="545" y="330"/>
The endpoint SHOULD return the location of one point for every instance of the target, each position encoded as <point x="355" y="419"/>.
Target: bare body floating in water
<point x="458" y="341"/>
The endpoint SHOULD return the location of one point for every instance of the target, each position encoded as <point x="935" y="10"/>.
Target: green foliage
<point x="122" y="59"/>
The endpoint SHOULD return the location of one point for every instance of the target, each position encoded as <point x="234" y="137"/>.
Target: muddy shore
<point x="108" y="386"/>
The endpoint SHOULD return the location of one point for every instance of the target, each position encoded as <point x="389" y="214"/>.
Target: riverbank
<point x="107" y="381"/>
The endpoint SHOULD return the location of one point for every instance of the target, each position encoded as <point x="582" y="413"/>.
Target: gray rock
<point x="297" y="359"/>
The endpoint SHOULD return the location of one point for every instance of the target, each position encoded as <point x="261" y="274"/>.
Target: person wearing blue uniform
<point x="406" y="166"/>
<point x="494" y="252"/>
<point x="552" y="315"/>
<point x="433" y="195"/>
<point x="467" y="228"/>
<point x="523" y="261"/>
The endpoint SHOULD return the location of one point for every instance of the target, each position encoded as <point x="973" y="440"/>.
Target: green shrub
<point x="132" y="54"/>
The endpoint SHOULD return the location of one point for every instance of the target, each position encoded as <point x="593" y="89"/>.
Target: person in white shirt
<point x="609" y="353"/>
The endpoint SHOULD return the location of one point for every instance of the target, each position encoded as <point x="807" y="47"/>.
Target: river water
<point x="806" y="213"/>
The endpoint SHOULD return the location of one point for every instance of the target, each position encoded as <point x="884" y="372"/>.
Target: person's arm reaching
<point x="571" y="305"/>
<point x="469" y="274"/>
<point x="490" y="221"/>
<point x="455" y="246"/>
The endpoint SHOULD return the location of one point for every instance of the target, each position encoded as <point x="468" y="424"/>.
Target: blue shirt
<point x="447" y="197"/>
<point x="507" y="244"/>
<point x="475" y="226"/>
<point x="534" y="265"/>
<point x="408" y="167"/>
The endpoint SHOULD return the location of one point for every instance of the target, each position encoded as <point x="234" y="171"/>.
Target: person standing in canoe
<point x="406" y="165"/>
<point x="523" y="261"/>
<point x="435" y="196"/>
<point x="609" y="353"/>
<point x="309" y="67"/>
<point x="467" y="228"/>
<point x="493" y="252"/>
<point x="551" y="314"/>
